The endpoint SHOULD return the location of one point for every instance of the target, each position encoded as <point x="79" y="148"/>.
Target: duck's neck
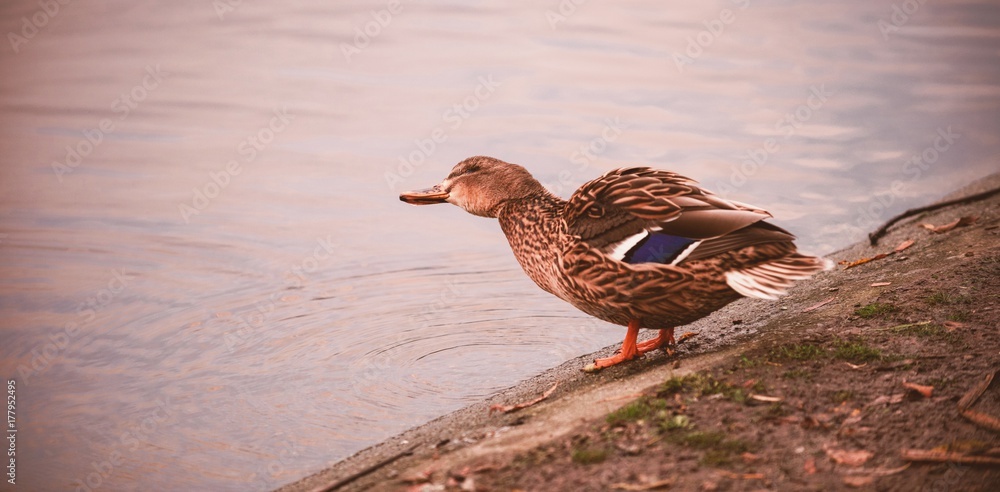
<point x="535" y="230"/>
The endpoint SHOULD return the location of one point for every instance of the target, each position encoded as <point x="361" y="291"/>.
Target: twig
<point x="948" y="457"/>
<point x="970" y="397"/>
<point x="875" y="236"/>
<point x="365" y="471"/>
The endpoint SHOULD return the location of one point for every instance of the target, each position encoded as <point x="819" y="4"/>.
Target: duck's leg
<point x="628" y="351"/>
<point x="666" y="337"/>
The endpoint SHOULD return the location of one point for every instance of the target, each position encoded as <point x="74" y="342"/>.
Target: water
<point x="221" y="291"/>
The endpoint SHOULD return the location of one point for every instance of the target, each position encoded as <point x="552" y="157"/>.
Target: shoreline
<point x="493" y="441"/>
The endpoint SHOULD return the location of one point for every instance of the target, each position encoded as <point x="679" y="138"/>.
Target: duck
<point x="638" y="247"/>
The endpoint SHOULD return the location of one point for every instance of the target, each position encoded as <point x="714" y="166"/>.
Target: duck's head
<point x="479" y="185"/>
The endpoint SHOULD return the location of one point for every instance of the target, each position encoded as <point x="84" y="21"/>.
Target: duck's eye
<point x="471" y="168"/>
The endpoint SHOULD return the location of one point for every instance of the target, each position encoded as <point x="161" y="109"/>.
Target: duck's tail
<point x="773" y="278"/>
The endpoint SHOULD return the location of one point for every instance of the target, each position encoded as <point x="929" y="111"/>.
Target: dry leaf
<point x="819" y="305"/>
<point x="646" y="486"/>
<point x="953" y="325"/>
<point x="924" y="391"/>
<point x="514" y="408"/>
<point x="810" y="466"/>
<point x="903" y="245"/>
<point x="881" y="284"/>
<point x="849" y="458"/>
<point x="941" y="229"/>
<point x="858" y="481"/>
<point x="855" y="366"/>
<point x="750" y="458"/>
<point x="865" y="260"/>
<point x="765" y="399"/>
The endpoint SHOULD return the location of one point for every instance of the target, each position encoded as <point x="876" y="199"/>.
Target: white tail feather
<point x="771" y="280"/>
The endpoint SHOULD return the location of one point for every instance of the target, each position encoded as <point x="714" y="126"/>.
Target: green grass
<point x="923" y="329"/>
<point x="961" y="316"/>
<point x="640" y="409"/>
<point x="589" y="456"/>
<point x="843" y="395"/>
<point x="798" y="374"/>
<point x="856" y="352"/>
<point x="797" y="351"/>
<point x="700" y="385"/>
<point x="718" y="450"/>
<point x="947" y="298"/>
<point x="875" y="310"/>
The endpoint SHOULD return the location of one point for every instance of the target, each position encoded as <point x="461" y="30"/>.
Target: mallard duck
<point x="637" y="247"/>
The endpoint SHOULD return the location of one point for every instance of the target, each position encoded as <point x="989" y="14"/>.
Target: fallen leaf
<point x="810" y="466"/>
<point x="960" y="222"/>
<point x="856" y="366"/>
<point x="881" y="284"/>
<point x="849" y="458"/>
<point x="514" y="408"/>
<point x="742" y="476"/>
<point x="858" y="481"/>
<point x="862" y="261"/>
<point x="891" y="399"/>
<point x="903" y="245"/>
<point x="765" y="399"/>
<point x="924" y="391"/>
<point x="982" y="419"/>
<point x="645" y="486"/>
<point x="970" y="397"/>
<point x="819" y="305"/>
<point x="685" y="336"/>
<point x="750" y="458"/>
<point x="953" y="325"/>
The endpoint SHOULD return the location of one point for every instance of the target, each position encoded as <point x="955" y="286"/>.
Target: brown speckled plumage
<point x="574" y="248"/>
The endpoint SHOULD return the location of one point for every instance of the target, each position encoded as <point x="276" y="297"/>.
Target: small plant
<point x="843" y="395"/>
<point x="589" y="456"/>
<point x="923" y="329"/>
<point x="798" y="351"/>
<point x="797" y="374"/>
<point x="640" y="409"/>
<point x="875" y="310"/>
<point x="947" y="298"/>
<point x="856" y="352"/>
<point x="961" y="316"/>
<point x="674" y="423"/>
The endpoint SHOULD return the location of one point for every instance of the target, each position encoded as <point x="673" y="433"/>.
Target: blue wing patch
<point x="657" y="248"/>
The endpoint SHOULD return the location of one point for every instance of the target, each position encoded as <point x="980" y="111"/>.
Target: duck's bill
<point x="425" y="197"/>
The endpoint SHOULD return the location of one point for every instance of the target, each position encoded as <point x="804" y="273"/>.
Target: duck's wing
<point x="641" y="215"/>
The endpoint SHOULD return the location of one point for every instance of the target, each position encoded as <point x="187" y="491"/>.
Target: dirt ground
<point x="825" y="390"/>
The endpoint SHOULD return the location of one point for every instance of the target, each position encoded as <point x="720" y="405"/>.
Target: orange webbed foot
<point x="628" y="351"/>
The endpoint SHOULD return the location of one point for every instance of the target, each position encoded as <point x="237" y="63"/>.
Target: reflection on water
<point x="209" y="282"/>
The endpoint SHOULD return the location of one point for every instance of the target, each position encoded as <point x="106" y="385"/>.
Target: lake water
<point x="210" y="284"/>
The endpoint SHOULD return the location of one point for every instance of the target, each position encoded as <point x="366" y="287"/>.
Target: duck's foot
<point x="628" y="351"/>
<point x="666" y="337"/>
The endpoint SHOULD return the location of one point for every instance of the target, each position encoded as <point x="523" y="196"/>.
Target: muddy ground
<point x="807" y="393"/>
